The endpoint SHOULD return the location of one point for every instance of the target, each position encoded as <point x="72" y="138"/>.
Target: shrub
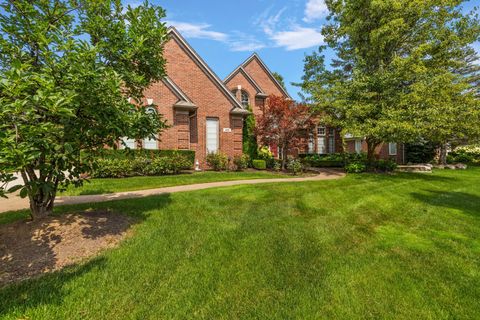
<point x="385" y="165"/>
<point x="465" y="154"/>
<point x="128" y="167"/>
<point x="277" y="166"/>
<point x="420" y="152"/>
<point x="112" y="168"/>
<point x="125" y="154"/>
<point x="259" y="164"/>
<point x="217" y="161"/>
<point x="265" y="154"/>
<point x="241" y="162"/>
<point x="355" y="167"/>
<point x="295" y="166"/>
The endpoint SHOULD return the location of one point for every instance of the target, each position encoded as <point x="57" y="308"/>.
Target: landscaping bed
<point x="29" y="249"/>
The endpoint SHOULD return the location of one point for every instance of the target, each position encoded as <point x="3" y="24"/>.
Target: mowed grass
<point x="101" y="186"/>
<point x="404" y="246"/>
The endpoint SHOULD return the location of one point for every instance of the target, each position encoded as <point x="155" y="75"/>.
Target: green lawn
<point x="100" y="186"/>
<point x="405" y="246"/>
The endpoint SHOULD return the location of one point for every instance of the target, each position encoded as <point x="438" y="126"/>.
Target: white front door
<point x="212" y="135"/>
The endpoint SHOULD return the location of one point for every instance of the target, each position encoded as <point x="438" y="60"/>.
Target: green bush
<point x="217" y="161"/>
<point x="465" y="154"/>
<point x="140" y="166"/>
<point x="265" y="154"/>
<point x="241" y="162"/>
<point x="420" y="152"/>
<point x="124" y="154"/>
<point x="355" y="167"/>
<point x="385" y="165"/>
<point x="259" y="164"/>
<point x="277" y="166"/>
<point x="295" y="166"/>
<point x="113" y="168"/>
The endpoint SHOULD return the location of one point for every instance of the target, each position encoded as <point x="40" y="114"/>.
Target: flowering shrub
<point x="217" y="161"/>
<point x="295" y="166"/>
<point x="241" y="162"/>
<point x="466" y="154"/>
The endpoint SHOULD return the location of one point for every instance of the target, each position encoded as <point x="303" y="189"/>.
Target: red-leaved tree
<point x="285" y="124"/>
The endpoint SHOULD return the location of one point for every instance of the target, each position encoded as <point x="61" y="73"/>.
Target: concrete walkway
<point x="17" y="203"/>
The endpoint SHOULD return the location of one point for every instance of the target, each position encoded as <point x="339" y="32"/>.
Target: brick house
<point x="203" y="114"/>
<point x="206" y="114"/>
<point x="252" y="82"/>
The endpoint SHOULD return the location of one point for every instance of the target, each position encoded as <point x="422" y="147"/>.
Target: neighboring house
<point x="388" y="151"/>
<point x="203" y="114"/>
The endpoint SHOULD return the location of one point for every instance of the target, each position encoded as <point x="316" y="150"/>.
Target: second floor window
<point x="245" y="101"/>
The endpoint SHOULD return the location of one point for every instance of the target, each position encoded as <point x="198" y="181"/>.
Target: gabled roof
<point x="173" y="32"/>
<point x="255" y="56"/>
<point x="248" y="77"/>
<point x="176" y="89"/>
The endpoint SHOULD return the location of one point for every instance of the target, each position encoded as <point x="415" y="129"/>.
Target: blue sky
<point x="225" y="33"/>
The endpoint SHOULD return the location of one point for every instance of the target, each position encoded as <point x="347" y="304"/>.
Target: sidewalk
<point x="16" y="203"/>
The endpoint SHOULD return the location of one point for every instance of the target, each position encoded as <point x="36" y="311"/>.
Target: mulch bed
<point x="29" y="249"/>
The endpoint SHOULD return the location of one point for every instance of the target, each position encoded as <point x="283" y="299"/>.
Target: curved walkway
<point x="16" y="203"/>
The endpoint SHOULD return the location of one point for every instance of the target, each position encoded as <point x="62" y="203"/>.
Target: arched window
<point x="150" y="143"/>
<point x="245" y="101"/>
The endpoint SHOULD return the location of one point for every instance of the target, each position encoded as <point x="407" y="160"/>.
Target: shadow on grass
<point x="36" y="252"/>
<point x="465" y="202"/>
<point x="46" y="290"/>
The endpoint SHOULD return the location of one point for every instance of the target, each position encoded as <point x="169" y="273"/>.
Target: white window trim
<point x="149" y="140"/>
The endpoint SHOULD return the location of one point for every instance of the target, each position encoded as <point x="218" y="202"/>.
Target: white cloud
<point x="241" y="41"/>
<point x="298" y="38"/>
<point x="315" y="9"/>
<point x="199" y="31"/>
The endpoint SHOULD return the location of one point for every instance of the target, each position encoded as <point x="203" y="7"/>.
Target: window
<point x="392" y="149"/>
<point x="245" y="101"/>
<point x="150" y="143"/>
<point x="331" y="140"/>
<point x="129" y="143"/>
<point x="311" y="144"/>
<point x="212" y="135"/>
<point x="321" y="131"/>
<point x="358" y="146"/>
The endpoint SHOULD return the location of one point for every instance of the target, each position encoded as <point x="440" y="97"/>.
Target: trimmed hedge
<point x="113" y="165"/>
<point x="259" y="164"/>
<point x="144" y="153"/>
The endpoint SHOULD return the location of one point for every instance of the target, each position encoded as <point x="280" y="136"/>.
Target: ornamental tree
<point x="283" y="123"/>
<point x="383" y="48"/>
<point x="67" y="71"/>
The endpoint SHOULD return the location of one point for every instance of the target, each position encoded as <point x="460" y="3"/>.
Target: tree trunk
<point x="372" y="144"/>
<point x="40" y="209"/>
<point x="284" y="157"/>
<point x="442" y="159"/>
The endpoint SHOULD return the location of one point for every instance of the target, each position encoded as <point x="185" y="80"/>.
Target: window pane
<point x="150" y="144"/>
<point x="392" y="149"/>
<point x="322" y="148"/>
<point x="212" y="135"/>
<point x="321" y="131"/>
<point x="358" y="146"/>
<point x="130" y="143"/>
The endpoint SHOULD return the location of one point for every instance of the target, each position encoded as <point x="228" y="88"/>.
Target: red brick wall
<point x="255" y="70"/>
<point x="205" y="94"/>
<point x="381" y="151"/>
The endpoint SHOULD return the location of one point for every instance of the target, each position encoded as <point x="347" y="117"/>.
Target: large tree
<point x="72" y="74"/>
<point x="383" y="48"/>
<point x="283" y="123"/>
